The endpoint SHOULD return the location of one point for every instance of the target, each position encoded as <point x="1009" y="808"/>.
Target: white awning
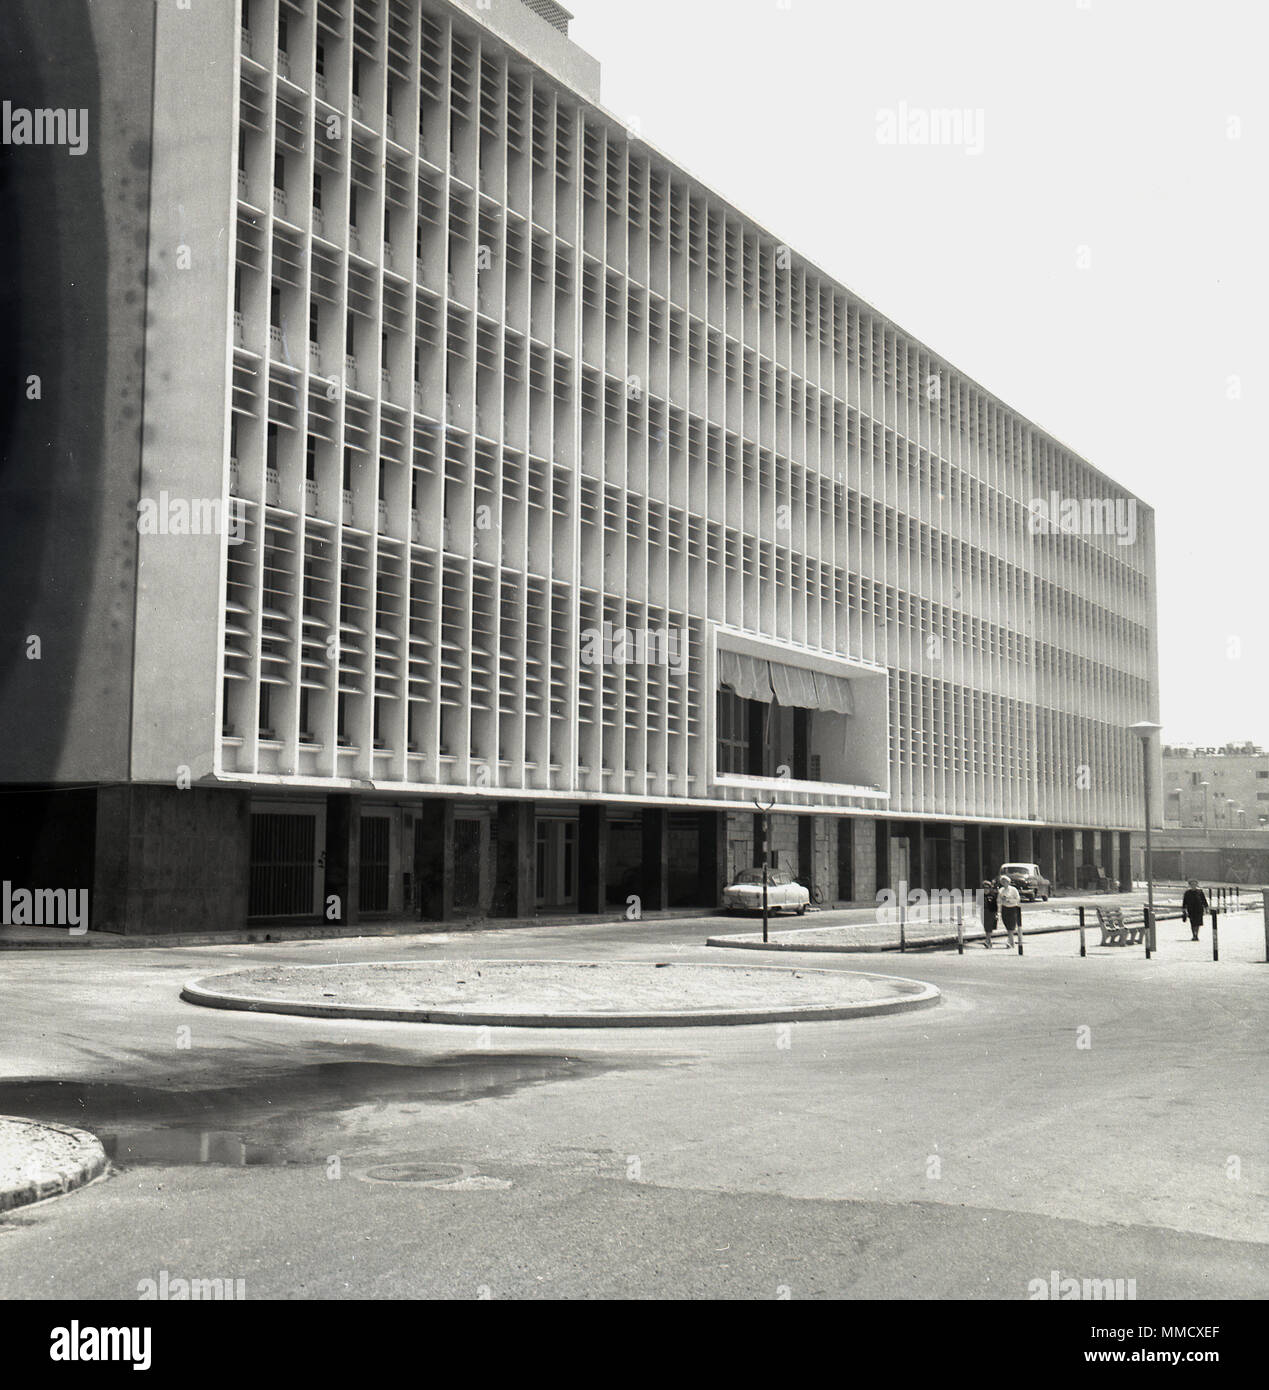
<point x="749" y="677"/>
<point x="753" y="678"/>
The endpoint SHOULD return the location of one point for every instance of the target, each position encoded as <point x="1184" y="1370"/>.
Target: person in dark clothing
<point x="1194" y="906"/>
<point x="989" y="910"/>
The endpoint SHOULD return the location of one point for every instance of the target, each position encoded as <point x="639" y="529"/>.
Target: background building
<point x="494" y="475"/>
<point x="1215" y="814"/>
<point x="1216" y="788"/>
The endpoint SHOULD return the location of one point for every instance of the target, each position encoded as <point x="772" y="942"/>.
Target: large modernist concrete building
<point x="438" y="502"/>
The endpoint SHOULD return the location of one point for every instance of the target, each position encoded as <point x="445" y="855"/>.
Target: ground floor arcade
<point x="157" y="860"/>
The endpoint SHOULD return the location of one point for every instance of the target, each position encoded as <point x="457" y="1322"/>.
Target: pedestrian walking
<point x="1194" y="907"/>
<point x="988" y="893"/>
<point x="1010" y="903"/>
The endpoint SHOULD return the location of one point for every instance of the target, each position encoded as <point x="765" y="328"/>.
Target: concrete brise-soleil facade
<point x="482" y="479"/>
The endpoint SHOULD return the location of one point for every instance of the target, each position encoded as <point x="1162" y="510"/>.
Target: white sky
<point x="1106" y="126"/>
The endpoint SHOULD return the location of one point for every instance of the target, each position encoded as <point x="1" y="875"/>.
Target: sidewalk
<point x="59" y="938"/>
<point x="855" y="914"/>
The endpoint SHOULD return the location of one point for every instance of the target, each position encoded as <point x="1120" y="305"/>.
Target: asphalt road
<point x="1104" y="1118"/>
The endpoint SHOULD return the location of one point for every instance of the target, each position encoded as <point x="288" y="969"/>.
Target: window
<point x="373" y="892"/>
<point x="310" y="459"/>
<point x="279" y="173"/>
<point x="283" y="861"/>
<point x="733" y="733"/>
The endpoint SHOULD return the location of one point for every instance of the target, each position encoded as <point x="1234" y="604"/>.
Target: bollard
<point x="1147" y="923"/>
<point x="960" y="930"/>
<point x="1216" y="948"/>
<point x="1084" y="952"/>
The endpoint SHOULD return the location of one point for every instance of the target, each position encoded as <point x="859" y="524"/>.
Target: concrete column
<point x="1125" y="861"/>
<point x="846" y="859"/>
<point x="995" y="850"/>
<point x="975" y="872"/>
<point x="434" y="859"/>
<point x="592" y="858"/>
<point x="1068" y="859"/>
<point x="171" y="860"/>
<point x="712" y="874"/>
<point x="1045" y="845"/>
<point x="883" y="855"/>
<point x="806" y="848"/>
<point x="916" y="854"/>
<point x="515" y="859"/>
<point x="343" y="859"/>
<point x="655" y="893"/>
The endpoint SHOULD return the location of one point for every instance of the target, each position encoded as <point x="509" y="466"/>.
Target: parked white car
<point x="783" y="893"/>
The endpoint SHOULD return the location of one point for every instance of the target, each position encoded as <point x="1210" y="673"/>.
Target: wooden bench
<point x="1117" y="932"/>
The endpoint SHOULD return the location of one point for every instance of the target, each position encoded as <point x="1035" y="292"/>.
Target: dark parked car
<point x="1028" y="880"/>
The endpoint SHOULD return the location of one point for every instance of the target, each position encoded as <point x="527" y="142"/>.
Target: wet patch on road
<point x="300" y="1114"/>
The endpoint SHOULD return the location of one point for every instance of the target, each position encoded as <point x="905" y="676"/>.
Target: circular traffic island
<point x="560" y="994"/>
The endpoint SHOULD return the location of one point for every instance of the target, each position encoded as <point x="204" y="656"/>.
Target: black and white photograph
<point x="634" y="667"/>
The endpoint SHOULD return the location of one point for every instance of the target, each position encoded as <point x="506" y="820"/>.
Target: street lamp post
<point x="1145" y="730"/>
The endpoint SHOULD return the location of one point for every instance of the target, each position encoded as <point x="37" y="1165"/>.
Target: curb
<point x="89" y="1163"/>
<point x="745" y="943"/>
<point x="919" y="996"/>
